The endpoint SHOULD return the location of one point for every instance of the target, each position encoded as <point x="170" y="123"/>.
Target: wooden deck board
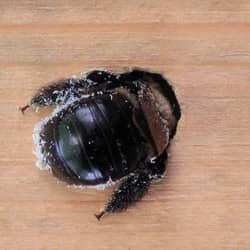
<point x="203" y="47"/>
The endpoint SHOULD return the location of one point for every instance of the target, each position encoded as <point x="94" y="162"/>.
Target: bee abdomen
<point x="94" y="140"/>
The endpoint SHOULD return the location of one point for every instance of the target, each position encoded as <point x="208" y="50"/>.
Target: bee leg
<point x="104" y="81"/>
<point x="133" y="186"/>
<point x="58" y="93"/>
<point x="101" y="80"/>
<point x="22" y="109"/>
<point x="55" y="93"/>
<point x="131" y="189"/>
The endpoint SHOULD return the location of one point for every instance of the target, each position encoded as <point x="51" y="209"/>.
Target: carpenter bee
<point x="107" y="127"/>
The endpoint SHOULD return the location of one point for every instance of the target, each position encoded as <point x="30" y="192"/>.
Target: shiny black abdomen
<point x="94" y="139"/>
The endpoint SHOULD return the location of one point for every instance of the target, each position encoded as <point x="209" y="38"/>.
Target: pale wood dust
<point x="203" y="47"/>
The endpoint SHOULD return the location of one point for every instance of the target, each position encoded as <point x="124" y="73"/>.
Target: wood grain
<point x="203" y="47"/>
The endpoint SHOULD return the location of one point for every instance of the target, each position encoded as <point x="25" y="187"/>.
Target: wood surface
<point x="203" y="47"/>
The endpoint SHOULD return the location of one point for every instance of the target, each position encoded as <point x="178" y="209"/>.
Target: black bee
<point x="108" y="127"/>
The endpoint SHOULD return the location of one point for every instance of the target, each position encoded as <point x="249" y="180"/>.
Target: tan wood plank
<point x="203" y="47"/>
